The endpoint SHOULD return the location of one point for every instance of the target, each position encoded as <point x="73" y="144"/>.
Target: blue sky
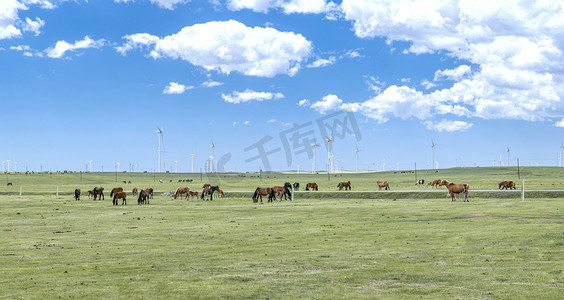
<point x="91" y="80"/>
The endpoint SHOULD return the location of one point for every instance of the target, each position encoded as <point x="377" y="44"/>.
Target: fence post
<point x="292" y="193"/>
<point x="523" y="190"/>
<point x="20" y="190"/>
<point x="57" y="191"/>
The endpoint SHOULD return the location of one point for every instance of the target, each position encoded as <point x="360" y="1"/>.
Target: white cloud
<point x="176" y="88"/>
<point x="229" y="46"/>
<point x="211" y="83"/>
<point x="303" y="102"/>
<point x="288" y="6"/>
<point x="516" y="53"/>
<point x="321" y="62"/>
<point x="9" y="18"/>
<point x="329" y="102"/>
<point x="250" y="95"/>
<point x="61" y="47"/>
<point x="33" y="26"/>
<point x="448" y="126"/>
<point x="559" y="123"/>
<point x="167" y="4"/>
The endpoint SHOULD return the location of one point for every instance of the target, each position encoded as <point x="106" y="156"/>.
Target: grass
<point x="311" y="248"/>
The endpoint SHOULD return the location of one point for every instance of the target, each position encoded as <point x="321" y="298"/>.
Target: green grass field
<point x="313" y="248"/>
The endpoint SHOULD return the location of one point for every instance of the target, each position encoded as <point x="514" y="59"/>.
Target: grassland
<point x="313" y="248"/>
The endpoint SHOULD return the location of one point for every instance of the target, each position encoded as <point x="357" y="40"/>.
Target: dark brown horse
<point x="90" y="194"/>
<point x="143" y="197"/>
<point x="149" y="192"/>
<point x="435" y="183"/>
<point x="9" y="183"/>
<point x="282" y="191"/>
<point x="77" y="194"/>
<point x="98" y="193"/>
<point x="312" y="186"/>
<point x="209" y="191"/>
<point x="181" y="191"/>
<point x="115" y="190"/>
<point x="117" y="196"/>
<point x="507" y="185"/>
<point x="344" y="185"/>
<point x="296" y="186"/>
<point x="457" y="189"/>
<point x="259" y="192"/>
<point x="383" y="184"/>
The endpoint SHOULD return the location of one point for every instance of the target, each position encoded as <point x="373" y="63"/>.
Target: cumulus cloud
<point x="303" y="102"/>
<point x="176" y="88"/>
<point x="61" y="47"/>
<point x="9" y="18"/>
<point x="288" y="6"/>
<point x="511" y="60"/>
<point x="33" y="26"/>
<point x="448" y="126"/>
<point x="329" y="102"/>
<point x="211" y="83"/>
<point x="559" y="123"/>
<point x="250" y="95"/>
<point x="167" y="4"/>
<point x="229" y="46"/>
<point x="321" y="62"/>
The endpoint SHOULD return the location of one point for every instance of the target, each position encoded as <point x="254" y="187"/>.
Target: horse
<point x="77" y="194"/>
<point x="444" y="182"/>
<point x="180" y="191"/>
<point x="124" y="181"/>
<point x="117" y="196"/>
<point x="312" y="186"/>
<point x="296" y="186"/>
<point x="506" y="185"/>
<point x="457" y="189"/>
<point x="192" y="194"/>
<point x="134" y="191"/>
<point x="149" y="192"/>
<point x="420" y="182"/>
<point x="143" y="196"/>
<point x="115" y="190"/>
<point x="344" y="185"/>
<point x="208" y="191"/>
<point x="98" y="193"/>
<point x="259" y="192"/>
<point x="219" y="193"/>
<point x="90" y="194"/>
<point x="383" y="184"/>
<point x="435" y="183"/>
<point x="8" y="184"/>
<point x="282" y="191"/>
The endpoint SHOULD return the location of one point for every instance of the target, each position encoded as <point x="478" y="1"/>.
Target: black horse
<point x="209" y="190"/>
<point x="98" y="192"/>
<point x="296" y="186"/>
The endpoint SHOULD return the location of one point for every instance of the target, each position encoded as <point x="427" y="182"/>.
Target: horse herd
<point x="118" y="193"/>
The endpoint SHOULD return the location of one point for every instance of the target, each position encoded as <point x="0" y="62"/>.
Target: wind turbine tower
<point x="16" y="167"/>
<point x="8" y="161"/>
<point x="561" y="147"/>
<point x="211" y="157"/>
<point x="357" y="150"/>
<point x="314" y="145"/>
<point x="192" y="154"/>
<point x="329" y="157"/>
<point x="508" y="152"/>
<point x="3" y="166"/>
<point x="433" y="152"/>
<point x="161" y="143"/>
<point x="90" y="162"/>
<point x="176" y="166"/>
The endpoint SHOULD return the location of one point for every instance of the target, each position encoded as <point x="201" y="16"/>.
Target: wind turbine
<point x="211" y="157"/>
<point x="192" y="154"/>
<point x="298" y="168"/>
<point x="384" y="165"/>
<point x="329" y="157"/>
<point x="117" y="166"/>
<point x="161" y="143"/>
<point x="8" y="161"/>
<point x="16" y="167"/>
<point x="90" y="161"/>
<point x="176" y="166"/>
<point x="357" y="150"/>
<point x="314" y="145"/>
<point x="508" y="151"/>
<point x="433" y="152"/>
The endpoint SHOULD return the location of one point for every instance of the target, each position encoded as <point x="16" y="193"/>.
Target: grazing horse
<point x="134" y="191"/>
<point x="124" y="181"/>
<point x="181" y="191"/>
<point x="192" y="194"/>
<point x="344" y="185"/>
<point x="435" y="183"/>
<point x="77" y="194"/>
<point x="457" y="189"/>
<point x="117" y="196"/>
<point x="98" y="193"/>
<point x="259" y="192"/>
<point x="143" y="196"/>
<point x="115" y="190"/>
<point x="312" y="186"/>
<point x="208" y="191"/>
<point x="296" y="186"/>
<point x="9" y="183"/>
<point x="149" y="192"/>
<point x="282" y="191"/>
<point x="383" y="184"/>
<point x="90" y="194"/>
<point x="506" y="185"/>
<point x="219" y="193"/>
<point x="420" y="182"/>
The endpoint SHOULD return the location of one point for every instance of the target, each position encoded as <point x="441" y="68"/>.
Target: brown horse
<point x="149" y="192"/>
<point x="383" y="184"/>
<point x="117" y="196"/>
<point x="181" y="191"/>
<point x="312" y="186"/>
<point x="457" y="189"/>
<point x="219" y="193"/>
<point x="507" y="185"/>
<point x="344" y="185"/>
<point x="115" y="190"/>
<point x="435" y="183"/>
<point x="134" y="191"/>
<point x="444" y="182"/>
<point x="9" y="183"/>
<point x="282" y="191"/>
<point x="143" y="197"/>
<point x="259" y="192"/>
<point x="98" y="193"/>
<point x="77" y="194"/>
<point x="193" y="194"/>
<point x="209" y="191"/>
<point x="90" y="194"/>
